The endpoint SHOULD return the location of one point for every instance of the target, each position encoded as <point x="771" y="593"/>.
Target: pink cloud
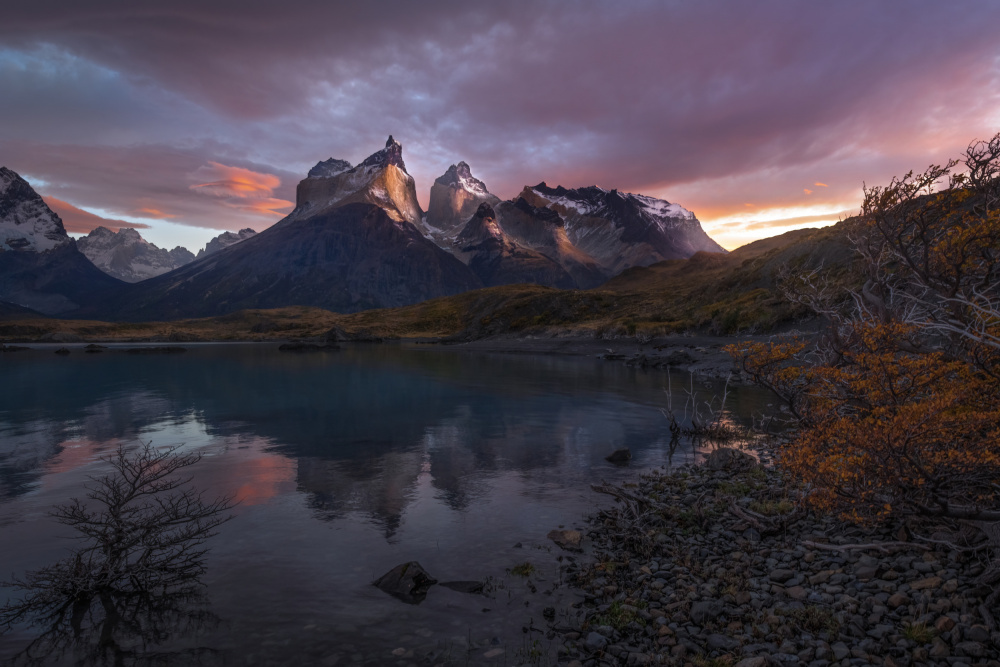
<point x="78" y="221"/>
<point x="242" y="189"/>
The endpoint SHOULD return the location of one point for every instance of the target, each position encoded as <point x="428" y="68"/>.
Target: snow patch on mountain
<point x="129" y="257"/>
<point x="662" y="208"/>
<point x="460" y="176"/>
<point x="27" y="224"/>
<point x="328" y="168"/>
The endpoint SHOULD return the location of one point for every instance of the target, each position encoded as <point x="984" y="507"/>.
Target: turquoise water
<point x="344" y="464"/>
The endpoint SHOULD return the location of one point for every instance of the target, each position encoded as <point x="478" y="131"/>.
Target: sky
<point x="187" y="118"/>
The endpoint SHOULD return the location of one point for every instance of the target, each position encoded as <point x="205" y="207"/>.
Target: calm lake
<point x="344" y="464"/>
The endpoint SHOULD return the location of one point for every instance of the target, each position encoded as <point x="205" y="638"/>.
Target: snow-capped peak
<point x="328" y="168"/>
<point x="129" y="257"/>
<point x="460" y="176"/>
<point x="588" y="200"/>
<point x="224" y="240"/>
<point x="27" y="224"/>
<point x="662" y="208"/>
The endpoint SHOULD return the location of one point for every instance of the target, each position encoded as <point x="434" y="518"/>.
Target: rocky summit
<point x="620" y="230"/>
<point x="226" y="239"/>
<point x="455" y="197"/>
<point x="497" y="260"/>
<point x="27" y="224"/>
<point x="380" y="179"/>
<point x="40" y="265"/>
<point x="127" y="256"/>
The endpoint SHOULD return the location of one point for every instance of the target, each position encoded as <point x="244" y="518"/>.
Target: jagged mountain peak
<point x="391" y="154"/>
<point x="482" y="225"/>
<point x="380" y="179"/>
<point x="485" y="211"/>
<point x="592" y="199"/>
<point x="224" y="240"/>
<point x="127" y="256"/>
<point x="27" y="224"/>
<point x="328" y="168"/>
<point x="542" y="212"/>
<point x="455" y="197"/>
<point x="460" y="176"/>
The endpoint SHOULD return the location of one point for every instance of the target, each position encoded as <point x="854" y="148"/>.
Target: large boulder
<point x="727" y="458"/>
<point x="408" y="582"/>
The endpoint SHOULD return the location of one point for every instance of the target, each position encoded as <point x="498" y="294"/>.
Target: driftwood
<point x="765" y="525"/>
<point x="881" y="547"/>
<point x="622" y="494"/>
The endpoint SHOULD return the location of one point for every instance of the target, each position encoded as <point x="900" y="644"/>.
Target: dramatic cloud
<point x="242" y="189"/>
<point x="711" y="104"/>
<point x="78" y="221"/>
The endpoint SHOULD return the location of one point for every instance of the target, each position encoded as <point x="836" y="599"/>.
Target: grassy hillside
<point x="716" y="293"/>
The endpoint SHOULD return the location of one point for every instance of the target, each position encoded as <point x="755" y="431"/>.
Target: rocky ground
<point x="703" y="566"/>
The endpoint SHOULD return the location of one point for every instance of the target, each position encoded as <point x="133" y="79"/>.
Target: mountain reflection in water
<point x="345" y="465"/>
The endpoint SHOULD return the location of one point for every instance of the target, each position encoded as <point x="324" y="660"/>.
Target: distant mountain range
<point x="127" y="256"/>
<point x="357" y="239"/>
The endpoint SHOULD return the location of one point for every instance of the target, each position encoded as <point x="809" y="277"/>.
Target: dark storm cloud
<point x="720" y="102"/>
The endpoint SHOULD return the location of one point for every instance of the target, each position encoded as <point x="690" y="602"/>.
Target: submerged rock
<point x="623" y="455"/>
<point x="408" y="582"/>
<point x="472" y="587"/>
<point x="567" y="539"/>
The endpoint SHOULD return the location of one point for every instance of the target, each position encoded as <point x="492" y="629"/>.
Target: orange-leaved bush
<point x="896" y="408"/>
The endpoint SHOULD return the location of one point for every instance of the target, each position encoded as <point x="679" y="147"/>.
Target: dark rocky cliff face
<point x="40" y="266"/>
<point x="455" y="197"/>
<point x="496" y="260"/>
<point x="56" y="282"/>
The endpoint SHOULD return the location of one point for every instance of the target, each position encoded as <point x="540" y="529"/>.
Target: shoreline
<point x="708" y="565"/>
<point x="699" y="354"/>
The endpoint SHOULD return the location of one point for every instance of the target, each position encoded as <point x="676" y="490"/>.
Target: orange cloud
<point x="78" y="221"/>
<point x="226" y="181"/>
<point x="152" y="213"/>
<point x="821" y="185"/>
<point x="798" y="220"/>
<point x="807" y="191"/>
<point x="242" y="189"/>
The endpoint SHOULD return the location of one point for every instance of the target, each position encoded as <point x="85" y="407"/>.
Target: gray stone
<point x="972" y="649"/>
<point x="977" y="633"/>
<point x="567" y="539"/>
<point x="717" y="642"/>
<point x="840" y="650"/>
<point x="781" y="576"/>
<point x="756" y="661"/>
<point x="705" y="610"/>
<point x="595" y="641"/>
<point x="727" y="458"/>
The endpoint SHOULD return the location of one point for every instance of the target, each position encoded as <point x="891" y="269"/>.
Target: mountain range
<point x="357" y="239"/>
<point x="127" y="256"/>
